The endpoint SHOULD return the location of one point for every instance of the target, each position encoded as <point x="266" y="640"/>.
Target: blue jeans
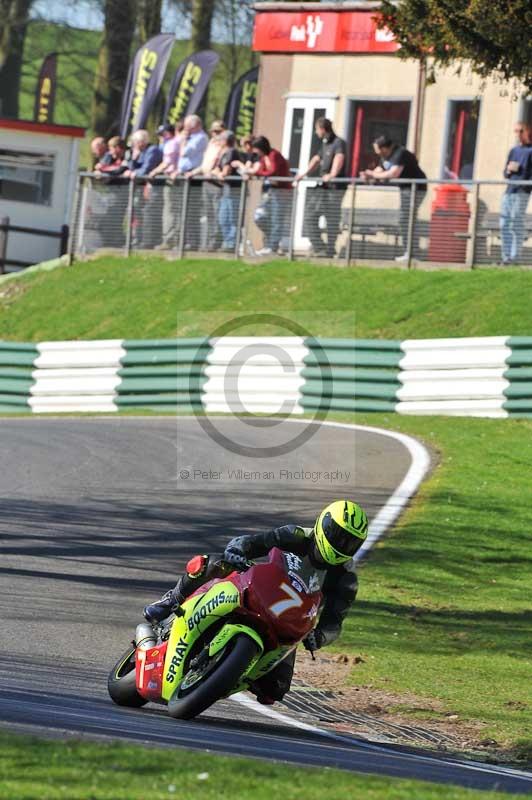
<point x="280" y="200"/>
<point x="227" y="215"/>
<point x="512" y="224"/>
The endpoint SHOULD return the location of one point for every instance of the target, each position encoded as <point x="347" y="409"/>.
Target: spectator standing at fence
<point x="99" y="151"/>
<point x="272" y="215"/>
<point x="144" y="158"/>
<point x="226" y="173"/>
<point x="211" y="190"/>
<point x="325" y="200"/>
<point x="518" y="167"/>
<point x="246" y="154"/>
<point x="171" y="148"/>
<point x="113" y="163"/>
<point x="194" y="141"/>
<point x="110" y="171"/>
<point x="398" y="162"/>
<point x="170" y="145"/>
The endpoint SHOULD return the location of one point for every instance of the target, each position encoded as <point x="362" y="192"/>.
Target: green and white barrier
<point x="16" y="375"/>
<point x="481" y="376"/>
<point x="162" y="374"/>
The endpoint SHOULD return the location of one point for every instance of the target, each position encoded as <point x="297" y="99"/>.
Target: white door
<point x="300" y="143"/>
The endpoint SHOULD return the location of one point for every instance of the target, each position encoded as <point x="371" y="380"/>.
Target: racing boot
<point x="265" y="700"/>
<point x="168" y="604"/>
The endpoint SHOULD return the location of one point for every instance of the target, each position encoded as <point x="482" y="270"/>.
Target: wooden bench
<point x="371" y="222"/>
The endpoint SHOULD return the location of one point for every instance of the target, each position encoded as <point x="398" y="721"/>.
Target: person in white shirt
<point x="211" y="190"/>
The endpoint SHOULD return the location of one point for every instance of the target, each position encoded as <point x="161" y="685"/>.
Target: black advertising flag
<point x="189" y="84"/>
<point x="43" y="110"/>
<point x="144" y="81"/>
<point x="240" y="109"/>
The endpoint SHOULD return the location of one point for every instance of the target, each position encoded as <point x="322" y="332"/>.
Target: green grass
<point x="31" y="769"/>
<point x="444" y="606"/>
<point x="153" y="297"/>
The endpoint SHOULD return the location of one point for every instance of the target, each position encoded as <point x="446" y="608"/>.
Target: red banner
<point x="320" y="32"/>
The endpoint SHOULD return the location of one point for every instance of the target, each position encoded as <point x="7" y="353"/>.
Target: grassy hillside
<point x="443" y="611"/>
<point x="78" y="51"/>
<point x="153" y="297"/>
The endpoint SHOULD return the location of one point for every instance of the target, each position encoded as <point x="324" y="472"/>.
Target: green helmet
<point x="340" y="530"/>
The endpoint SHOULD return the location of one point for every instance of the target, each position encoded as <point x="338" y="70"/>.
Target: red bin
<point x="450" y="216"/>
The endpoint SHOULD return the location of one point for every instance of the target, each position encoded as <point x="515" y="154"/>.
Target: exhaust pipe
<point x="145" y="636"/>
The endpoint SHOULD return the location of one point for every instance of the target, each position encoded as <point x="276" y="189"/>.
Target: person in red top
<point x="272" y="164"/>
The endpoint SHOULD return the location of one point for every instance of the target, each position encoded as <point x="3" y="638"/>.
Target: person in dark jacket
<point x="109" y="172"/>
<point x="325" y="199"/>
<point x="396" y="162"/>
<point x="146" y="218"/>
<point x="324" y="555"/>
<point x="518" y="168"/>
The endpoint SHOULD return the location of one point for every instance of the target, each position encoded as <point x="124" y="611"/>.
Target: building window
<point x="369" y="119"/>
<point x="26" y="177"/>
<point x="296" y="137"/>
<point x="461" y="139"/>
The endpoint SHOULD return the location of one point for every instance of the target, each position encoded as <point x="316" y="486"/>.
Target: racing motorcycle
<point x="226" y="635"/>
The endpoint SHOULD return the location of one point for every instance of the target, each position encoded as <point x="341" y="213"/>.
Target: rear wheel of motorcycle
<point x="218" y="682"/>
<point x="121" y="684"/>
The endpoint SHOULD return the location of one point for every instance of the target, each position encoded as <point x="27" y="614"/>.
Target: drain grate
<point x="324" y="706"/>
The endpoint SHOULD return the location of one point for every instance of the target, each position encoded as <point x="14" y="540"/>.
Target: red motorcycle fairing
<point x="276" y="598"/>
<point x="149" y="671"/>
<point x="279" y="600"/>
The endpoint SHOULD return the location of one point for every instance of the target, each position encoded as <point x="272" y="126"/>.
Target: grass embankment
<point x="153" y="297"/>
<point x="32" y="769"/>
<point x="444" y="605"/>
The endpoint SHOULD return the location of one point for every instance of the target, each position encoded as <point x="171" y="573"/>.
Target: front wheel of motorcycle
<point x="218" y="676"/>
<point x="121" y="684"/>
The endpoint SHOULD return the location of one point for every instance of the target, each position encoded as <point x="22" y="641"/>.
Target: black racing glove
<point x="314" y="640"/>
<point x="235" y="557"/>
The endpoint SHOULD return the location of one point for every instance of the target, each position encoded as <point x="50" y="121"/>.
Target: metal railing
<point x="436" y="222"/>
<point x="6" y="228"/>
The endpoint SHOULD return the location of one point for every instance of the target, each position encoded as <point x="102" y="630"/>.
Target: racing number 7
<point x="281" y="606"/>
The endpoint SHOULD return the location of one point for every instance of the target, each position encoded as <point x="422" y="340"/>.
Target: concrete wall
<point x="386" y="76"/>
<point x="275" y="78"/>
<point x="351" y="76"/>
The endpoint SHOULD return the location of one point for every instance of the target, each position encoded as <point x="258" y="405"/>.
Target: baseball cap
<point x="166" y="128"/>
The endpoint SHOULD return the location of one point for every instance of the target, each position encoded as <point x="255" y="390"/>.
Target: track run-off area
<point x="99" y="516"/>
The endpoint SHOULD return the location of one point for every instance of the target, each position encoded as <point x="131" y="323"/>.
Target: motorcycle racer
<point x="324" y="556"/>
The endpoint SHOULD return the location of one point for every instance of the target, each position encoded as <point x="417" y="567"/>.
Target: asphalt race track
<point x="98" y="518"/>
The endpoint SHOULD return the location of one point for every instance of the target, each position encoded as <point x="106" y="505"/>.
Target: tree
<point x="237" y="20"/>
<point x="149" y="19"/>
<point x="492" y="35"/>
<point x="113" y="65"/>
<point x="14" y="22"/>
<point x="202" y="16"/>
